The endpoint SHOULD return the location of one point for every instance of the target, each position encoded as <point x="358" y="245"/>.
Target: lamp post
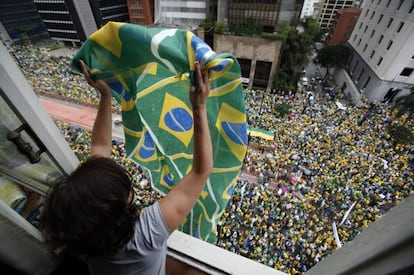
<point x="261" y="104"/>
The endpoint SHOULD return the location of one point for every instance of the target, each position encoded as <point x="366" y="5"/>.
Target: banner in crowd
<point x="150" y="71"/>
<point x="256" y="132"/>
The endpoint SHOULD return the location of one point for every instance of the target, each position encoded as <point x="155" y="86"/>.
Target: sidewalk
<point x="77" y="114"/>
<point x="64" y="51"/>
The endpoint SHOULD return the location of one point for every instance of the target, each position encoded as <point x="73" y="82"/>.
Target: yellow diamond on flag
<point x="109" y="38"/>
<point x="177" y="119"/>
<point x="232" y="125"/>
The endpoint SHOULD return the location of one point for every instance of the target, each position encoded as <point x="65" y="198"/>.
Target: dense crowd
<point x="51" y="75"/>
<point x="332" y="168"/>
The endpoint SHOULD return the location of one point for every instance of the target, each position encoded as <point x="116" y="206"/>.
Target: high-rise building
<point x="328" y="11"/>
<point x="310" y="8"/>
<point x="382" y="64"/>
<point x="20" y="18"/>
<point x="104" y="11"/>
<point x="182" y="13"/>
<point x="71" y="22"/>
<point x="342" y="26"/>
<point x="141" y="12"/>
<point x="64" y="23"/>
<point x="262" y="13"/>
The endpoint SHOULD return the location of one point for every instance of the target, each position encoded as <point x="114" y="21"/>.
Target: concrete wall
<point x="343" y="79"/>
<point x="253" y="48"/>
<point x="376" y="89"/>
<point x="4" y="35"/>
<point x="86" y="17"/>
<point x="222" y="10"/>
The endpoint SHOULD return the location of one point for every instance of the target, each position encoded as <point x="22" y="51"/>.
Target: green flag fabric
<point x="150" y="71"/>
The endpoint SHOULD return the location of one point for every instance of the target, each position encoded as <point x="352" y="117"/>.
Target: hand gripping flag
<point x="150" y="71"/>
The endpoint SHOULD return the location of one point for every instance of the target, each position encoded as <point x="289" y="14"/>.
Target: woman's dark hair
<point x="88" y="213"/>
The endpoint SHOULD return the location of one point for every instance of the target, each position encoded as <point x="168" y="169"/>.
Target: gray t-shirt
<point x="145" y="253"/>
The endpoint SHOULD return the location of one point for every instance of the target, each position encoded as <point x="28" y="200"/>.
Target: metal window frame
<point x="18" y="92"/>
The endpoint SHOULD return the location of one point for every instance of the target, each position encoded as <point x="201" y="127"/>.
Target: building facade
<point x="141" y="12"/>
<point x="342" y="26"/>
<point x="264" y="13"/>
<point x="258" y="57"/>
<point x="20" y="18"/>
<point x="183" y="13"/>
<point x="328" y="11"/>
<point x="64" y="24"/>
<point x="72" y="21"/>
<point x="104" y="11"/>
<point x="310" y="8"/>
<point x="258" y="13"/>
<point x="382" y="63"/>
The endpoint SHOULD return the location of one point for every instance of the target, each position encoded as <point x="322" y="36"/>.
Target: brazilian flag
<point x="150" y="71"/>
<point x="257" y="132"/>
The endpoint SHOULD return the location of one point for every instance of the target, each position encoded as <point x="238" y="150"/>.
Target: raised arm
<point x="102" y="127"/>
<point x="181" y="199"/>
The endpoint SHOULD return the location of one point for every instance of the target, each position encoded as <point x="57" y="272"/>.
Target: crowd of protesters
<point x="332" y="168"/>
<point x="51" y="76"/>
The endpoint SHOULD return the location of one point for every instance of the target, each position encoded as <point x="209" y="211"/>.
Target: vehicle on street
<point x="305" y="81"/>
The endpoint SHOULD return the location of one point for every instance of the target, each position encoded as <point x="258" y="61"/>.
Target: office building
<point x="342" y="26"/>
<point x="20" y="19"/>
<point x="310" y="8"/>
<point x="71" y="22"/>
<point x="141" y="12"/>
<point x="382" y="63"/>
<point x="261" y="13"/>
<point x="104" y="11"/>
<point x="328" y="11"/>
<point x="64" y="24"/>
<point x="184" y="14"/>
<point x="258" y="57"/>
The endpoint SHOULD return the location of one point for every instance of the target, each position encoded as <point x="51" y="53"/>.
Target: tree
<point x="283" y="30"/>
<point x="405" y="104"/>
<point x="403" y="134"/>
<point x="333" y="56"/>
<point x="283" y="109"/>
<point x="312" y="29"/>
<point x="23" y="38"/>
<point x="293" y="57"/>
<point x="282" y="81"/>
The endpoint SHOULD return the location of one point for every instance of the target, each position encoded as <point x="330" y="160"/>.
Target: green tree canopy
<point x="333" y="56"/>
<point x="312" y="29"/>
<point x="293" y="57"/>
<point x="405" y="104"/>
<point x="404" y="133"/>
